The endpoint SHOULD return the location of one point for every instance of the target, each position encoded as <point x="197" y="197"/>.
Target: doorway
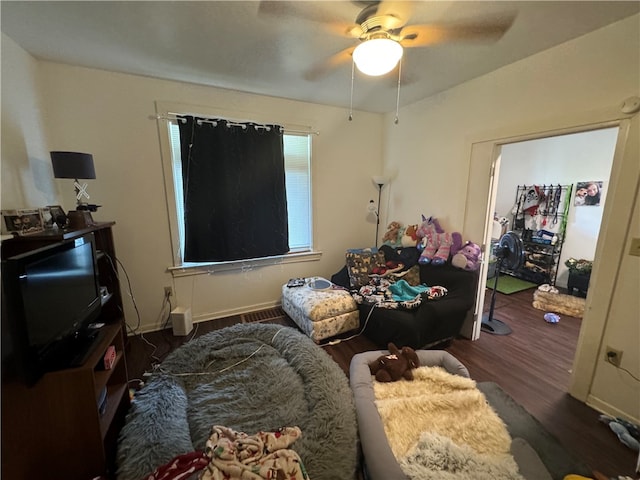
<point x="484" y="167"/>
<point x="546" y="164"/>
<point x="569" y="159"/>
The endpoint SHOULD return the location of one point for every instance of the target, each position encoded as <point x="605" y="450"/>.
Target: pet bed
<point x="537" y="453"/>
<point x="250" y="378"/>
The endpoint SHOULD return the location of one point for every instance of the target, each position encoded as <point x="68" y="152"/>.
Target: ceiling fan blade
<point x="328" y="65"/>
<point x="317" y="12"/>
<point x="426" y="35"/>
<point x="400" y="10"/>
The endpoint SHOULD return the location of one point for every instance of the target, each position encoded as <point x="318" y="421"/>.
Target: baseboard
<point x="205" y="317"/>
<point x="608" y="409"/>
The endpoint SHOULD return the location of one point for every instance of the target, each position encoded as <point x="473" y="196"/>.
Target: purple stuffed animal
<point x="468" y="257"/>
<point x="435" y="243"/>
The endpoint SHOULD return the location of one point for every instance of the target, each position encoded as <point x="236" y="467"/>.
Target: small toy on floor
<point x="550" y="317"/>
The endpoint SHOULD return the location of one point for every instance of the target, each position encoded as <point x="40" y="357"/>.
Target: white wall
<point x="428" y="155"/>
<point x="26" y="178"/>
<point x="564" y="160"/>
<point x="111" y="116"/>
<point x="614" y="391"/>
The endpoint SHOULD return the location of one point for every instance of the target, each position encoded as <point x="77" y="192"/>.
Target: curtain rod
<point x="173" y="116"/>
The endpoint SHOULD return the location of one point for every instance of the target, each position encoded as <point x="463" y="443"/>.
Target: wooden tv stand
<point x="56" y="428"/>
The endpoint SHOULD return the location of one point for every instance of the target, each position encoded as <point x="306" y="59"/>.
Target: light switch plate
<point x="635" y="247"/>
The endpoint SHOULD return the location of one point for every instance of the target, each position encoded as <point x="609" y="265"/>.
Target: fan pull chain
<point x="398" y="96"/>
<point x="353" y="64"/>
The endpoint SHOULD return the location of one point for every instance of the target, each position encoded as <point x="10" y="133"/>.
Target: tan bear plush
<point x="391" y="236"/>
<point x="396" y="365"/>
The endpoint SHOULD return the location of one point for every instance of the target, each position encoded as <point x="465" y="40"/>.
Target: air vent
<point x="275" y="313"/>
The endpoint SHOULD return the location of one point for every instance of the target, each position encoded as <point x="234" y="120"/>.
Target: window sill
<point x="187" y="269"/>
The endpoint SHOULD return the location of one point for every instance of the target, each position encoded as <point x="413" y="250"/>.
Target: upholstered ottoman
<point x="320" y="313"/>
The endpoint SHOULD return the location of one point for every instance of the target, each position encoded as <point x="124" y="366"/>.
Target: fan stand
<point x="490" y="324"/>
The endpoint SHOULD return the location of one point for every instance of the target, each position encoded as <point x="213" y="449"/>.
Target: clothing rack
<point x="552" y="199"/>
<point x="540" y="218"/>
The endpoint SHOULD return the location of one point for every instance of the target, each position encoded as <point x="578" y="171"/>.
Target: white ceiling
<point x="267" y="47"/>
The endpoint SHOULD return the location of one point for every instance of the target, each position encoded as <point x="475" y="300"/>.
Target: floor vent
<point x="263" y="315"/>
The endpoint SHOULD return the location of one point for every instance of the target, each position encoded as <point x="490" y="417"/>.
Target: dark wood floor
<point x="532" y="364"/>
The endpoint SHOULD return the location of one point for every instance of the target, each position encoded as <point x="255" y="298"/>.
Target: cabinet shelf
<point x="62" y="408"/>
<point x="115" y="395"/>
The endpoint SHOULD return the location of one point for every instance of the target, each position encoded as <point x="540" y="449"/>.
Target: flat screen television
<point x="51" y="296"/>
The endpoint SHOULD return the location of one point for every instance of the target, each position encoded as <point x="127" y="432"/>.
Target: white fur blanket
<point x="440" y="426"/>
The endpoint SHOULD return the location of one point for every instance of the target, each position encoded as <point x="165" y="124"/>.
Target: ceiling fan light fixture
<point x="377" y="56"/>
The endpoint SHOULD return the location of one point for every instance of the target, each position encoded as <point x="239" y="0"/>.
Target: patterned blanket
<point x="393" y="294"/>
<point x="238" y="456"/>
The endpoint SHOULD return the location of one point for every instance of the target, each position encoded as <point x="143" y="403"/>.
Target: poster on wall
<point x="588" y="193"/>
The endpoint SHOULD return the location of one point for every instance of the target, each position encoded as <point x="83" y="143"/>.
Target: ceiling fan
<point x="383" y="30"/>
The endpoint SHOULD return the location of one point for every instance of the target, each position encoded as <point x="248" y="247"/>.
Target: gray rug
<point x="248" y="377"/>
<point x="558" y="461"/>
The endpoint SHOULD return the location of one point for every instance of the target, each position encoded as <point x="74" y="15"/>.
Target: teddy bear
<point x="392" y="234"/>
<point x="468" y="257"/>
<point x="409" y="237"/>
<point x="396" y="365"/>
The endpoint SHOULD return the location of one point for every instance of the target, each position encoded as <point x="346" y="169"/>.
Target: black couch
<point x="434" y="322"/>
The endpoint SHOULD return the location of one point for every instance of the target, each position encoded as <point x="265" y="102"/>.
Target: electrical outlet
<point x="168" y="291"/>
<point x="613" y="356"/>
<point x="634" y="249"/>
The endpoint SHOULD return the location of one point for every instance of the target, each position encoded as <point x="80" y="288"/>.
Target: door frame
<point x="484" y="157"/>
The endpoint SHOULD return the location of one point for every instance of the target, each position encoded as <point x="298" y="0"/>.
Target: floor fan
<point x="509" y="254"/>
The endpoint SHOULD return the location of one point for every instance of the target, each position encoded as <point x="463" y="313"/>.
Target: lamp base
<point x="80" y="219"/>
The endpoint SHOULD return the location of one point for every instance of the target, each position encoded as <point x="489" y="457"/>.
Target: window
<point x="297" y="152"/>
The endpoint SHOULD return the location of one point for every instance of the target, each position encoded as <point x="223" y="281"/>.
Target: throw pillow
<point x="360" y="263"/>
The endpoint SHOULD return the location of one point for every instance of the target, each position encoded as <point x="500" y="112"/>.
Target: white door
<point x="483" y="177"/>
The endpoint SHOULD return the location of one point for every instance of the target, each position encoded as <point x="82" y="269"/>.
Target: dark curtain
<point x="235" y="200"/>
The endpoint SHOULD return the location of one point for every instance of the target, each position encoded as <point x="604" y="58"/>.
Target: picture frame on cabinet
<point x="57" y="215"/>
<point x="22" y="222"/>
<point x="47" y="218"/>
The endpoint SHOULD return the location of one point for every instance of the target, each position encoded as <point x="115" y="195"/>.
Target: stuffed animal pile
<point x="399" y="236"/>
<point x="396" y="365"/>
<point x="436" y="245"/>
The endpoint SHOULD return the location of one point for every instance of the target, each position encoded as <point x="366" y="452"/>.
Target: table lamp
<point x="76" y="165"/>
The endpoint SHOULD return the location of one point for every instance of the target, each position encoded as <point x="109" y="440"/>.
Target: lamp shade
<point x="72" y="165"/>
<point x="377" y="56"/>
<point x="380" y="180"/>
